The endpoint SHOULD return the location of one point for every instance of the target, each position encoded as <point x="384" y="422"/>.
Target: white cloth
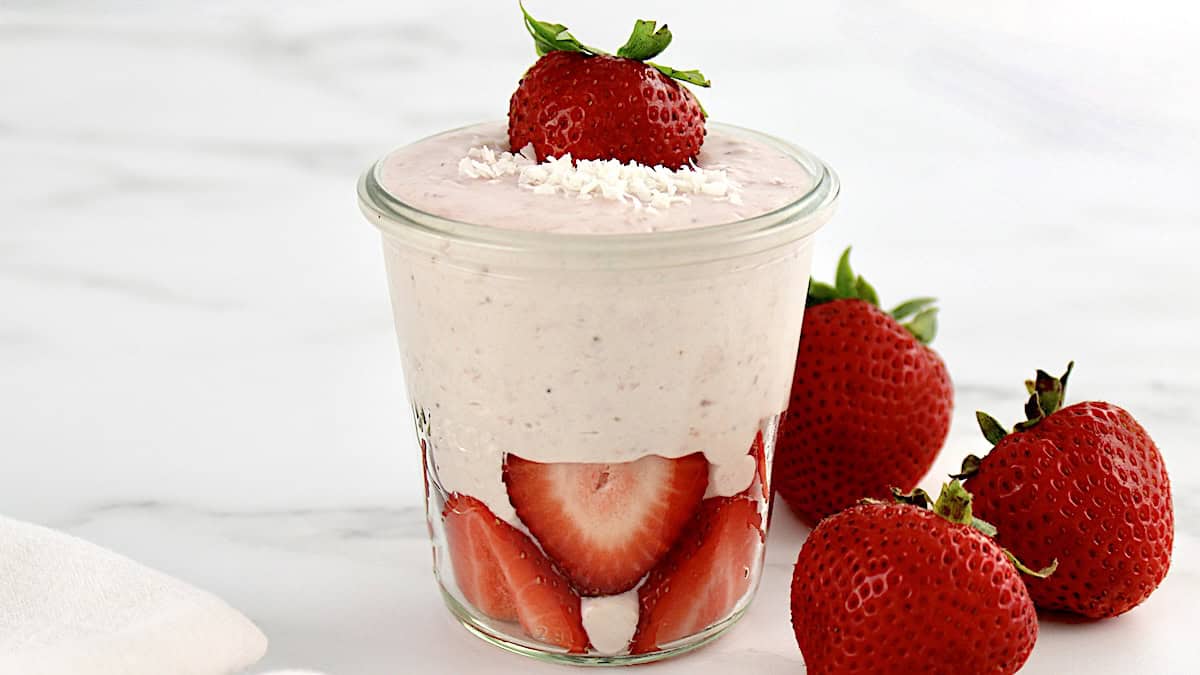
<point x="68" y="607"/>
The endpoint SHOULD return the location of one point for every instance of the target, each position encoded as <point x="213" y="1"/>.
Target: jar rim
<point x="795" y="220"/>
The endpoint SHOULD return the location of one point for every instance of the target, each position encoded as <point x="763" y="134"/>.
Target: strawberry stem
<point x="954" y="504"/>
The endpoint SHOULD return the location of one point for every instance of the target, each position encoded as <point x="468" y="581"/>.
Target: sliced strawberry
<point x="504" y="575"/>
<point x="761" y="485"/>
<point x="606" y="525"/>
<point x="759" y="451"/>
<point x="701" y="580"/>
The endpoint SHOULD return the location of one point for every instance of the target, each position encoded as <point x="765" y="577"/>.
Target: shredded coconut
<point x="648" y="188"/>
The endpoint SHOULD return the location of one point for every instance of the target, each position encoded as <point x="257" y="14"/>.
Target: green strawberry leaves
<point x="911" y="308"/>
<point x="866" y="291"/>
<point x="954" y="504"/>
<point x="553" y="37"/>
<point x="923" y="326"/>
<point x="820" y="293"/>
<point x="918" y="498"/>
<point x="646" y="42"/>
<point x="992" y="430"/>
<point x="689" y="76"/>
<point x="1040" y="574"/>
<point x="970" y="467"/>
<point x="1046" y="396"/>
<point x="844" y="277"/>
<point x="847" y="286"/>
<point x="850" y="286"/>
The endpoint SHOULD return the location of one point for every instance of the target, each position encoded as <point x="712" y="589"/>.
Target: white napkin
<point x="68" y="607"/>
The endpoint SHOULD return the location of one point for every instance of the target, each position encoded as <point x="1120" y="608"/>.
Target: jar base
<point x="546" y="653"/>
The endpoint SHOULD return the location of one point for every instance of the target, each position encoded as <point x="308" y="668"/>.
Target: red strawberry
<point x="870" y="404"/>
<point x="504" y="575"/>
<point x="606" y="525"/>
<point x="581" y="101"/>
<point x="893" y="588"/>
<point x="1086" y="485"/>
<point x="713" y="566"/>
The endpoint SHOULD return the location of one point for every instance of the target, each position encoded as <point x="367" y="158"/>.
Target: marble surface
<point x="197" y="365"/>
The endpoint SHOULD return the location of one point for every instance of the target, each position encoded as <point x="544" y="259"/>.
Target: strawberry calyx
<point x="920" y="313"/>
<point x="647" y="41"/>
<point x="1046" y="395"/>
<point x="954" y="505"/>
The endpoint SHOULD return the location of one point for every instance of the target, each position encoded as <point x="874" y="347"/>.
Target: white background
<point x="197" y="365"/>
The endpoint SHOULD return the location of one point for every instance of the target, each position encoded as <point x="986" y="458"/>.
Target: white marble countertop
<point x="197" y="365"/>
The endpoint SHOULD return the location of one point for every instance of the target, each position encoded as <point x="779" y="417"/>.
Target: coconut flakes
<point x="649" y="188"/>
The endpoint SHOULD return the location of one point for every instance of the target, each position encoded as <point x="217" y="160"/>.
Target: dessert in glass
<point x="597" y="354"/>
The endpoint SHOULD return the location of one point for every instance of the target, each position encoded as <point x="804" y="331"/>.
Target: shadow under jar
<point x="566" y="385"/>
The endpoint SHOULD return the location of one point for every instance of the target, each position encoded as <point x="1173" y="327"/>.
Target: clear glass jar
<point x="615" y="362"/>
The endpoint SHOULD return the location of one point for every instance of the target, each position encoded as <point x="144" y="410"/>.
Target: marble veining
<point x="197" y="360"/>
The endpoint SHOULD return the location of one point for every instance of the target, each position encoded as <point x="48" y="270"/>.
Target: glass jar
<point x="649" y="370"/>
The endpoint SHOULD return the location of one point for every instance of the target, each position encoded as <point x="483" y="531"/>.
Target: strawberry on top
<point x="590" y="104"/>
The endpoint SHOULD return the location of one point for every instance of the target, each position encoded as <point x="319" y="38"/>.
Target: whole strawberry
<point x="1083" y="484"/>
<point x="582" y="101"/>
<point x="870" y="405"/>
<point x="886" y="588"/>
